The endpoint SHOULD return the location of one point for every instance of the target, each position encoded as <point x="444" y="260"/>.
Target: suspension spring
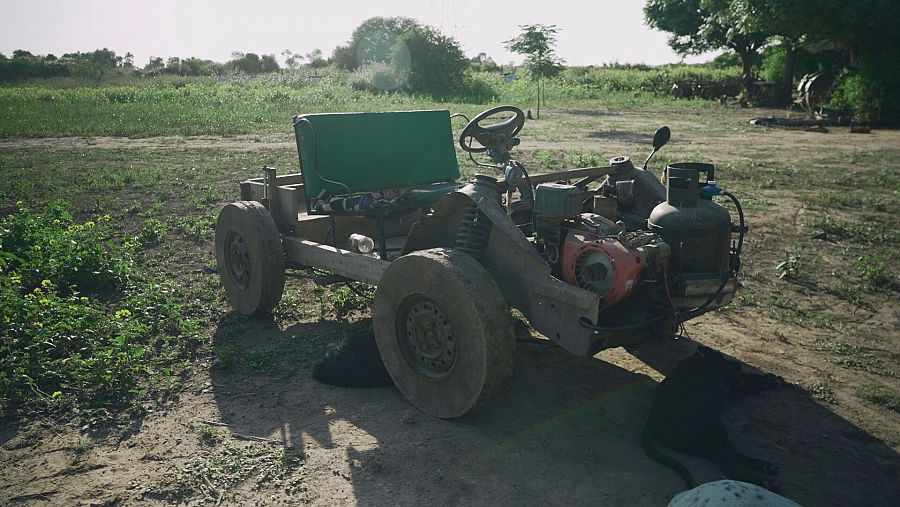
<point x="472" y="234"/>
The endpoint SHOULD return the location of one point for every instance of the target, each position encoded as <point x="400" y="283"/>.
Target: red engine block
<point x="602" y="265"/>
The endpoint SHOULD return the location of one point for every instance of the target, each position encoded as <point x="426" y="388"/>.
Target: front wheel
<point x="249" y="257"/>
<point x="444" y="331"/>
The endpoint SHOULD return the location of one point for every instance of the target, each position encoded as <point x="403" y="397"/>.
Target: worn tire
<point x="249" y="257"/>
<point x="444" y="331"/>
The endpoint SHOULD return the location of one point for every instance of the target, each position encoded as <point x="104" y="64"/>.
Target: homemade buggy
<point x="590" y="265"/>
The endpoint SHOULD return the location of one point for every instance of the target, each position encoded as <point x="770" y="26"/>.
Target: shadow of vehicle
<point x="565" y="431"/>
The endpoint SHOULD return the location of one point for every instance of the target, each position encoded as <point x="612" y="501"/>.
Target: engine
<point x="645" y="249"/>
<point x="612" y="266"/>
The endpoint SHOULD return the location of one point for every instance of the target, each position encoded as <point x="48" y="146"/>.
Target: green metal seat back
<point x="375" y="151"/>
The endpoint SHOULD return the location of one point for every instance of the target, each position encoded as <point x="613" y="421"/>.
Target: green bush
<point x="79" y="327"/>
<point x="152" y="232"/>
<point x="860" y="95"/>
<point x="375" y="77"/>
<point x="50" y="246"/>
<point x="645" y="79"/>
<point x="428" y="61"/>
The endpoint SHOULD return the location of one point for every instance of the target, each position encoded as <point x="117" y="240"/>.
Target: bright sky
<point x="601" y="31"/>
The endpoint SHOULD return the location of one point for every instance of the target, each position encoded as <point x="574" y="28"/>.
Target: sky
<point x="591" y="33"/>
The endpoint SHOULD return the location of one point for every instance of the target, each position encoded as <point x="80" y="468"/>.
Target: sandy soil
<point x="566" y="431"/>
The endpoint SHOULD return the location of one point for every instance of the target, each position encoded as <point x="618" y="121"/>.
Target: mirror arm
<point x="644" y="167"/>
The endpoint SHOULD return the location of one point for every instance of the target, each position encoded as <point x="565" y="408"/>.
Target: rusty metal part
<point x="814" y="89"/>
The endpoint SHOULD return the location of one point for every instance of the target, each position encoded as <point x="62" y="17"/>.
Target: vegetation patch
<point x="852" y="356"/>
<point x="875" y="273"/>
<point x="873" y="230"/>
<point x="822" y="393"/>
<point x="881" y="396"/>
<point x="229" y="466"/>
<point x="82" y="328"/>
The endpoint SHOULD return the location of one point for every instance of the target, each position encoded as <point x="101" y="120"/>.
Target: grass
<point x="881" y="396"/>
<point x="228" y="466"/>
<point x="265" y="104"/>
<point x="852" y="357"/>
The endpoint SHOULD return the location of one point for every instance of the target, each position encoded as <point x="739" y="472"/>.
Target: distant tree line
<point x="384" y="53"/>
<point x="96" y="65"/>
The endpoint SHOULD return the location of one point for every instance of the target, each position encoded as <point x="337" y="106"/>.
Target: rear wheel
<point x="249" y="257"/>
<point x="443" y="330"/>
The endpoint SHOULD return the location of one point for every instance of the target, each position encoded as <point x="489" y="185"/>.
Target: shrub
<point x="50" y="246"/>
<point x="428" y="61"/>
<point x="860" y="95"/>
<point x="375" y="77"/>
<point x="152" y="232"/>
<point x="79" y="328"/>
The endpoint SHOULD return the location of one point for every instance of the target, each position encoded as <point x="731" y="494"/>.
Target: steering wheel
<point x="488" y="136"/>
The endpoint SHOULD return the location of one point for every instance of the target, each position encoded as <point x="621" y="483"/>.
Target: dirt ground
<point x="566" y="431"/>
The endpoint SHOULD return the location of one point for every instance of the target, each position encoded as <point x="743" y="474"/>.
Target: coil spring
<point x="473" y="231"/>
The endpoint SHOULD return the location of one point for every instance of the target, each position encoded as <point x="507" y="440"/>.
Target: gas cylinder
<point x="697" y="229"/>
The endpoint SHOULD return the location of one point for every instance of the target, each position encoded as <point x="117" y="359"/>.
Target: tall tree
<point x="315" y="59"/>
<point x="698" y="26"/>
<point x="374" y="39"/>
<point x="291" y="59"/>
<point x="536" y="43"/>
<point x="430" y="61"/>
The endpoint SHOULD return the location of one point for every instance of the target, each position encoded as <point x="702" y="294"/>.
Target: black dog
<point x="686" y="416"/>
<point x="353" y="362"/>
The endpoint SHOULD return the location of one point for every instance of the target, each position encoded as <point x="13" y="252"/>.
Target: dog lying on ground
<point x="730" y="494"/>
<point x="353" y="362"/>
<point x="685" y="415"/>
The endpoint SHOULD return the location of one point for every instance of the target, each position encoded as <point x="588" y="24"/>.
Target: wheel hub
<point x="237" y="260"/>
<point x="426" y="338"/>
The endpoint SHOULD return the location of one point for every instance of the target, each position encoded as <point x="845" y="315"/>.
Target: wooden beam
<point x="284" y="179"/>
<point x="356" y="266"/>
<point x="291" y="199"/>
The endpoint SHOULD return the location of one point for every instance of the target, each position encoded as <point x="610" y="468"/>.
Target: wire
<point x="696" y="311"/>
<point x="740" y="211"/>
<point x="614" y="329"/>
<point x="733" y="273"/>
<point x="316" y="156"/>
<point x="454" y="115"/>
<point x="530" y="191"/>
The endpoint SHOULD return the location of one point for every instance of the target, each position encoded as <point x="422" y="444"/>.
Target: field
<point x="221" y="409"/>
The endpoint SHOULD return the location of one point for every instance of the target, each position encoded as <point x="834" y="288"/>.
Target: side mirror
<point x="661" y="137"/>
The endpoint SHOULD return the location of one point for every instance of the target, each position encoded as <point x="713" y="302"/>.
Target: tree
<point x="291" y="59"/>
<point x="698" y="26"/>
<point x="484" y="63"/>
<point x="155" y="64"/>
<point x="372" y="41"/>
<point x="342" y="57"/>
<point x="429" y="60"/>
<point x="251" y="63"/>
<point x="268" y="63"/>
<point x="868" y="31"/>
<point x="541" y="62"/>
<point x="315" y="59"/>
